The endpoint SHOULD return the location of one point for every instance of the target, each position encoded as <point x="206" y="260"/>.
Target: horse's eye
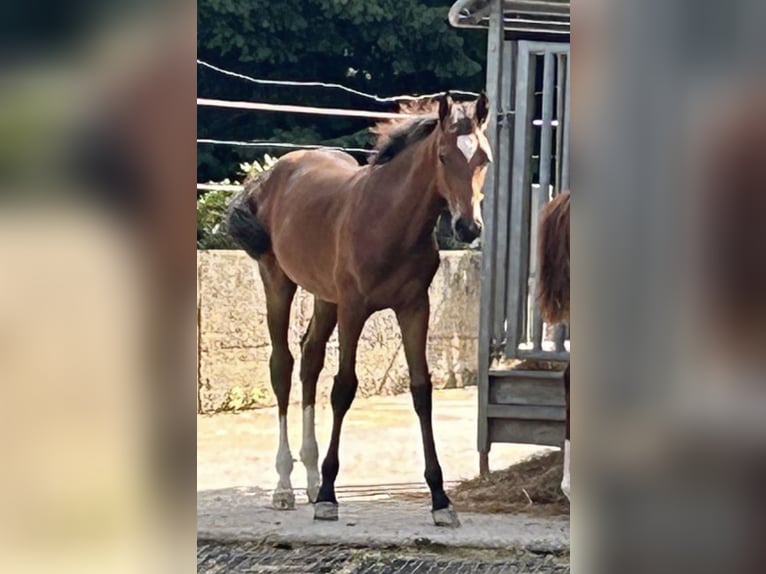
<point x="442" y="157"/>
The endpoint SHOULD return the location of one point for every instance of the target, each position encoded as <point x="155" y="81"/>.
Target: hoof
<point x="325" y="511"/>
<point x="283" y="500"/>
<point x="446" y="517"/>
<point x="312" y="492"/>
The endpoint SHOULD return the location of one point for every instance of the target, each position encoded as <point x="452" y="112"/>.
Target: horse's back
<point x="298" y="161"/>
<point x="304" y="204"/>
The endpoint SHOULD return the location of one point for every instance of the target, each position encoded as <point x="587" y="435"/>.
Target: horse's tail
<point x="553" y="244"/>
<point x="242" y="220"/>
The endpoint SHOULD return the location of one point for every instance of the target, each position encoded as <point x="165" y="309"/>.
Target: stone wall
<point x="234" y="348"/>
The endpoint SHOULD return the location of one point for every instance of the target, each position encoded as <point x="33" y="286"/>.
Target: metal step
<point x="527" y="407"/>
<point x="522" y="387"/>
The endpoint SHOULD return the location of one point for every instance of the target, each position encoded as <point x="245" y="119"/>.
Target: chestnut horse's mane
<point x="553" y="244"/>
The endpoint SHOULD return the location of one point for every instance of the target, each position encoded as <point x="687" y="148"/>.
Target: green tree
<point x="385" y="47"/>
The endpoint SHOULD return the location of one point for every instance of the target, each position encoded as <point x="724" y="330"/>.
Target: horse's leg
<point x="565" y="479"/>
<point x="279" y="296"/>
<point x="350" y="324"/>
<point x="413" y="321"/>
<point x="312" y="360"/>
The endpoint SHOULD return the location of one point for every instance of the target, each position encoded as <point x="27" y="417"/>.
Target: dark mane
<point x="400" y="136"/>
<point x="393" y="136"/>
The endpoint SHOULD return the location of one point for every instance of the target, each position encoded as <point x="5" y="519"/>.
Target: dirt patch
<point x="532" y="486"/>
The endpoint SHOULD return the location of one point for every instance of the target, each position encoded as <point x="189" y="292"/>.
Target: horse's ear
<point x="482" y="109"/>
<point x="445" y="106"/>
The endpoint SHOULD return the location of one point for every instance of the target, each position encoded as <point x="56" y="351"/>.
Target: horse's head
<point x="463" y="156"/>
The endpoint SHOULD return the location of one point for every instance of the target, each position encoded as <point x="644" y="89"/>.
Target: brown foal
<point x="361" y="239"/>
<point x="553" y="286"/>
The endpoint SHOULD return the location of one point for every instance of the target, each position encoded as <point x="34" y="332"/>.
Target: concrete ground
<point x="380" y="444"/>
<point x="380" y="454"/>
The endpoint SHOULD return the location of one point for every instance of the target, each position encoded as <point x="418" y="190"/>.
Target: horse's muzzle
<point x="466" y="230"/>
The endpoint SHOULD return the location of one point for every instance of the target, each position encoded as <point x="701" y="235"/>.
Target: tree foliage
<point x="385" y="47"/>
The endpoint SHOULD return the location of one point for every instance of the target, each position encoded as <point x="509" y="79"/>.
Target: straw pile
<point x="532" y="486"/>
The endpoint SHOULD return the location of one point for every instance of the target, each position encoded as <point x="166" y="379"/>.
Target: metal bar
<point x="560" y="76"/>
<point x="537" y="376"/>
<point x="531" y="355"/>
<point x="461" y="12"/>
<point x="565" y="153"/>
<point x="525" y="8"/>
<point x="559" y="336"/>
<point x="549" y="433"/>
<point x="530" y="14"/>
<point x="494" y="71"/>
<point x="531" y="310"/>
<point x="518" y="255"/>
<point x="504" y="159"/>
<point x="535" y="47"/>
<point x="481" y="12"/>
<point x="543" y="191"/>
<point x="528" y="412"/>
<point x="528" y="29"/>
<point x="537" y="6"/>
<point x="540" y="25"/>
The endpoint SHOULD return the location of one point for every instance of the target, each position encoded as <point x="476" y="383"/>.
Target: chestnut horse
<point x="361" y="239"/>
<point x="553" y="285"/>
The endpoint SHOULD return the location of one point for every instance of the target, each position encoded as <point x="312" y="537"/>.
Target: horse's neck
<point x="411" y="202"/>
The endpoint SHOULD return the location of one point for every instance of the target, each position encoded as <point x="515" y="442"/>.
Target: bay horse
<point x="361" y="239"/>
<point x="553" y="285"/>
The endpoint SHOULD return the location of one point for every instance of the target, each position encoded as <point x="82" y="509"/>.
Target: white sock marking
<point x="310" y="450"/>
<point x="284" y="458"/>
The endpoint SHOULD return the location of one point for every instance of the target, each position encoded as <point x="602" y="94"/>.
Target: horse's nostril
<point x="466" y="230"/>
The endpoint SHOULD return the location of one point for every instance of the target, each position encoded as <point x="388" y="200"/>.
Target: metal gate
<point x="528" y="84"/>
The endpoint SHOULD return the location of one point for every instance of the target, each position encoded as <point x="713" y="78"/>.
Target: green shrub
<point x="212" y="232"/>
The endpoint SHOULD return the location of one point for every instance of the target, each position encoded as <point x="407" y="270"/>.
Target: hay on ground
<point x="532" y="486"/>
<point x="503" y="364"/>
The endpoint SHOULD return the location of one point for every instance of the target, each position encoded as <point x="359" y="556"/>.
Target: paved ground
<point x="380" y="454"/>
<point x="215" y="557"/>
<point x="380" y="445"/>
<point x="246" y="514"/>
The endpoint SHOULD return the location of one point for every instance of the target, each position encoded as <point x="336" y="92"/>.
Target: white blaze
<point x="468" y="144"/>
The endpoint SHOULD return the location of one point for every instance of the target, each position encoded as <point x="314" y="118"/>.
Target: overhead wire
<point x="328" y="85"/>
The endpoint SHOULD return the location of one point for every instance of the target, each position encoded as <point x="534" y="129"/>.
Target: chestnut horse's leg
<point x="413" y="321"/>
<point x="279" y="296"/>
<point x="350" y="324"/>
<point x="313" y="349"/>
<point x="565" y="480"/>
